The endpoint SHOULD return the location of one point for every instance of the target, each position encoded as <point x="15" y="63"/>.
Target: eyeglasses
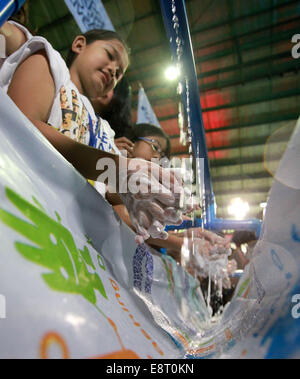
<point x="154" y="144"/>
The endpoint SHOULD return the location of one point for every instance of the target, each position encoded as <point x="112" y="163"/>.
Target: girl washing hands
<point x="33" y="77"/>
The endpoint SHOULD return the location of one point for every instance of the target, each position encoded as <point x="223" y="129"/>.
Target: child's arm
<point x="113" y="198"/>
<point x="173" y="242"/>
<point x="14" y="37"/>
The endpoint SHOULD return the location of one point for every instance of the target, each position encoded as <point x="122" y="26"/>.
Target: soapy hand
<point x="208" y="256"/>
<point x="212" y="237"/>
<point x="125" y="146"/>
<point x="152" y="196"/>
<point x="205" y="252"/>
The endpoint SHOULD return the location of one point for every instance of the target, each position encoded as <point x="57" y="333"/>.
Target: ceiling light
<point x="238" y="209"/>
<point x="172" y="73"/>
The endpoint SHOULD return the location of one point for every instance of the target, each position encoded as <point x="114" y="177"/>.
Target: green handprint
<point x="55" y="249"/>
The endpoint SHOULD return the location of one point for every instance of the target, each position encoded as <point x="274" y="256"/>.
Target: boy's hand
<point x="124" y="144"/>
<point x="206" y="258"/>
<point x="212" y="237"/>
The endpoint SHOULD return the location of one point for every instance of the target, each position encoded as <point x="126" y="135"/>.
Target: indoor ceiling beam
<point x="265" y="119"/>
<point x="250" y="142"/>
<point x="266" y="27"/>
<point x="231" y="20"/>
<point x="246" y="46"/>
<point x="46" y="27"/>
<point x="278" y="37"/>
<point x="241" y="161"/>
<point x="219" y="163"/>
<point x="240" y="79"/>
<point x="246" y="142"/>
<point x="243" y="176"/>
<point x="261" y="120"/>
<point x="248" y="191"/>
<point x="254" y="44"/>
<point x="222" y="23"/>
<point x="259" y="99"/>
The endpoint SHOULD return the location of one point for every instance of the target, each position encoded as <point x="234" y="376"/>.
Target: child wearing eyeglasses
<point x="150" y="142"/>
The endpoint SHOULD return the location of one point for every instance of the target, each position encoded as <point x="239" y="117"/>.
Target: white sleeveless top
<point x="71" y="113"/>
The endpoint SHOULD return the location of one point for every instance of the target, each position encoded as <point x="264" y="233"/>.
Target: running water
<point x="212" y="264"/>
<point x="210" y="311"/>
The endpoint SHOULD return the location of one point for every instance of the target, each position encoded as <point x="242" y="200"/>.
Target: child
<point x="97" y="61"/>
<point x="33" y="77"/>
<point x="151" y="142"/>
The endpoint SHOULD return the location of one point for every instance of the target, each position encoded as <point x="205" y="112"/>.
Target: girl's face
<point x="149" y="150"/>
<point x="98" y="66"/>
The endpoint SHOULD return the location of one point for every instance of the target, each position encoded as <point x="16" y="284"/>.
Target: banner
<point x="89" y="14"/>
<point x="145" y="114"/>
<point x="74" y="284"/>
<point x="71" y="274"/>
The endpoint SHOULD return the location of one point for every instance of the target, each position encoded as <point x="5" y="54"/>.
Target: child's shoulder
<point x="37" y="63"/>
<point x="56" y="64"/>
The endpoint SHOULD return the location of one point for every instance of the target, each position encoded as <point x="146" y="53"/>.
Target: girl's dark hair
<point x="147" y="130"/>
<point x="118" y="112"/>
<point x="243" y="236"/>
<point x="93" y="36"/>
<point x="22" y="15"/>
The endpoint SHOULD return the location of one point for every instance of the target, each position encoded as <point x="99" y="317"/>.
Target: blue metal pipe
<point x="218" y="224"/>
<point x="189" y="84"/>
<point x="8" y="8"/>
<point x="222" y="224"/>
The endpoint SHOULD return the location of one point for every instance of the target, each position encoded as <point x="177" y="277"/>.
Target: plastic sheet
<point x="74" y="284"/>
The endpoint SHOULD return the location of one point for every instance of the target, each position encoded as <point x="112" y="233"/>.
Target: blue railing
<point x="218" y="224"/>
<point x="176" y="24"/>
<point x="8" y="8"/>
